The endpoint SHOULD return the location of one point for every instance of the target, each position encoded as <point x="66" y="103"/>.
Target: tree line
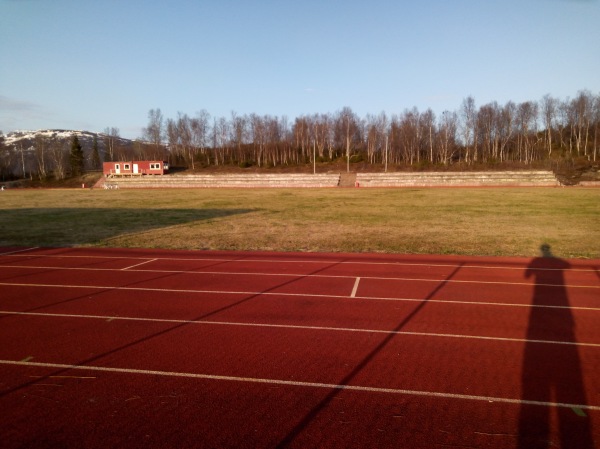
<point x="531" y="132"/>
<point x="522" y="133"/>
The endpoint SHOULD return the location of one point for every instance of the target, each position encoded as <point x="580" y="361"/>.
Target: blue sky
<point x="105" y="63"/>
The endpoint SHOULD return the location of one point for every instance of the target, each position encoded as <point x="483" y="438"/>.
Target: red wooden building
<point x="132" y="168"/>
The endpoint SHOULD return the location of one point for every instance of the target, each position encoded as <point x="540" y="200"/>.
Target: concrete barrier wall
<point x="475" y="179"/>
<point x="399" y="179"/>
<point x="235" y="180"/>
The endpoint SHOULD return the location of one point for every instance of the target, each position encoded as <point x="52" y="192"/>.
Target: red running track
<point x="178" y="349"/>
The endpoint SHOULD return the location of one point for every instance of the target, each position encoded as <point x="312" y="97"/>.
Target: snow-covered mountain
<point x="26" y="139"/>
<point x="42" y="152"/>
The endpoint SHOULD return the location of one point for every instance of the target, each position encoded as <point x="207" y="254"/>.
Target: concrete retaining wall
<point x="235" y="180"/>
<point x="450" y="179"/>
<point x="401" y="179"/>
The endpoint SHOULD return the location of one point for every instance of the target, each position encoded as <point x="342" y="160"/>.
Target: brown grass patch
<point x="499" y="221"/>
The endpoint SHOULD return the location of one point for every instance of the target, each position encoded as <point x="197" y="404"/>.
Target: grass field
<point x="478" y="221"/>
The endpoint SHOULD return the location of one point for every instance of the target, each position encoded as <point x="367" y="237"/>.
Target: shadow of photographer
<point x="552" y="373"/>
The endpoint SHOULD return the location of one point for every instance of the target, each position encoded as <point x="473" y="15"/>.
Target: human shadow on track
<point x="312" y="414"/>
<point x="552" y="372"/>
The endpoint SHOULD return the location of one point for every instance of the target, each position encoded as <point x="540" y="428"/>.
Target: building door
<point x="135" y="168"/>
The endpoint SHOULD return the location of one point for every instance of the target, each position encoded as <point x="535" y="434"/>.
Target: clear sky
<point x="92" y="64"/>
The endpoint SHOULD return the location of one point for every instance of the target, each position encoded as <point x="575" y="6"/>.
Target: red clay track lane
<point x="144" y="348"/>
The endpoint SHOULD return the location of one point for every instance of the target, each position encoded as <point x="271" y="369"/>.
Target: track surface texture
<point x="179" y="349"/>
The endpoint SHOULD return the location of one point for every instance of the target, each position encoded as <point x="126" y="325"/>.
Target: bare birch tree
<point x="447" y="131"/>
<point x="427" y="122"/>
<point x="469" y="120"/>
<point x="59" y="156"/>
<point x="201" y="131"/>
<point x="41" y="156"/>
<point x="155" y="131"/>
<point x="111" y="136"/>
<point x="548" y="109"/>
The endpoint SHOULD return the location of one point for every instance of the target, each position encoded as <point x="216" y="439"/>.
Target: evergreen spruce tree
<point x="96" y="155"/>
<point x="76" y="157"/>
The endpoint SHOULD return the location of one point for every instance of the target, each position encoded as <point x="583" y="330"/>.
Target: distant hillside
<point x="44" y="153"/>
<point x="27" y="139"/>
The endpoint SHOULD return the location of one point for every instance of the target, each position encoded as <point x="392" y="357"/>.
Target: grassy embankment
<point x="495" y="221"/>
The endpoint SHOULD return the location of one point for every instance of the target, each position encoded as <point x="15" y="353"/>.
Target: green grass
<point x="499" y="221"/>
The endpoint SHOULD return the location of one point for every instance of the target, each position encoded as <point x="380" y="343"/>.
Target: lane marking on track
<point x="301" y="261"/>
<point x="355" y="288"/>
<point x="105" y="289"/>
<point x="298" y="327"/>
<point x="291" y="383"/>
<point x="138" y="264"/>
<point x="297" y="275"/>
<point x="64" y="377"/>
<point x="19" y="251"/>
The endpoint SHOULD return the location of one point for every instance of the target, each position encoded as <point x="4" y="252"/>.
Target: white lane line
<point x="298" y="327"/>
<point x="63" y="377"/>
<point x="19" y="251"/>
<point x="299" y="275"/>
<point x="302" y="294"/>
<point x="324" y="262"/>
<point x="291" y="383"/>
<point x="355" y="288"/>
<point x="136" y="265"/>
